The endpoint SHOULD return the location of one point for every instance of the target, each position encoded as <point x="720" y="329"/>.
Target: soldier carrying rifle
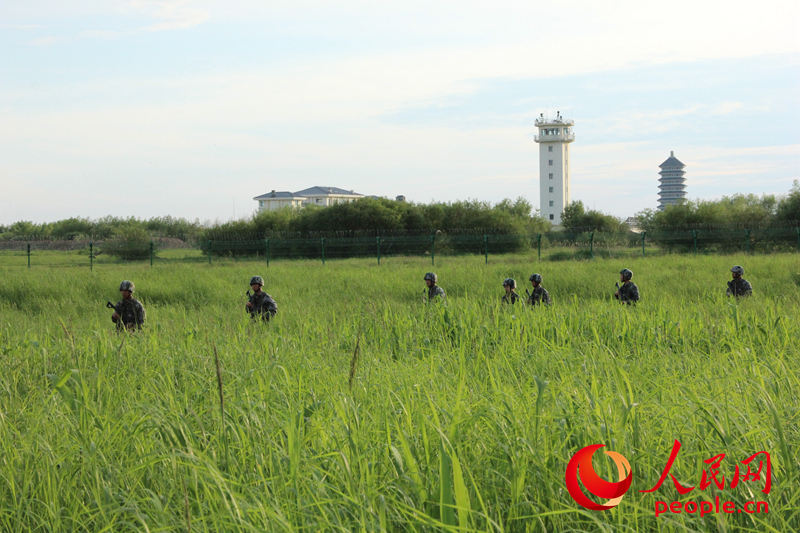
<point x="540" y="294"/>
<point x="628" y="293"/>
<point x="511" y="296"/>
<point x="738" y="286"/>
<point x="260" y="303"/>
<point x="434" y="291"/>
<point x="129" y="312"/>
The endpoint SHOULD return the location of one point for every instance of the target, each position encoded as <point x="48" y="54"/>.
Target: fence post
<point x="151" y="253"/>
<point x="323" y="250"/>
<point x="643" y="234"/>
<point x="539" y="245"/>
<point x="267" y="251"/>
<point x="486" y="248"/>
<point x="591" y="244"/>
<point x="433" y="248"/>
<point x="747" y="240"/>
<point x="29" y="255"/>
<point x="694" y="234"/>
<point x="91" y="256"/>
<point x="209" y="252"/>
<point x="378" y="243"/>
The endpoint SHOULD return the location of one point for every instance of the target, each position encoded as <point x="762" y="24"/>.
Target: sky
<point x="190" y="108"/>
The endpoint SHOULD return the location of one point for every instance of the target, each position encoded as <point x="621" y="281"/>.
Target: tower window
<point x="550" y="148"/>
<point x="550" y="162"/>
<point x="552" y="217"/>
<point x="551" y="175"/>
<point x="551" y="203"/>
<point x="551" y="189"/>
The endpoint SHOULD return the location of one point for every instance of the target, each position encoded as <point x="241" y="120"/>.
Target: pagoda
<point x="672" y="188"/>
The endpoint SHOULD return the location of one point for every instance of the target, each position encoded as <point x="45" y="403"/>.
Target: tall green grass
<point x="459" y="417"/>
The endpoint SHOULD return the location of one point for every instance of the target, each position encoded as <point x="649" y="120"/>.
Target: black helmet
<point x="626" y="274"/>
<point x="510" y="282"/>
<point x="257" y="280"/>
<point x="430" y="276"/>
<point x="536" y="277"/>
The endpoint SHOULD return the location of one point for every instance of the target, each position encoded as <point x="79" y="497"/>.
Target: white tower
<point x="554" y="138"/>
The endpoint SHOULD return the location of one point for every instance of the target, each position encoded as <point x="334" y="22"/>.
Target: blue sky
<point x="183" y="107"/>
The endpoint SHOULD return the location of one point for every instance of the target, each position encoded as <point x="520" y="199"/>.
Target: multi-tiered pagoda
<point x="673" y="185"/>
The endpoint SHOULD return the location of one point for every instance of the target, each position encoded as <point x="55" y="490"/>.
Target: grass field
<point x="450" y="418"/>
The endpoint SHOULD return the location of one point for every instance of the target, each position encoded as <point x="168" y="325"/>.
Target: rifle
<point x="617" y="295"/>
<point x="118" y="311"/>
<point x="251" y="311"/>
<point x="528" y="294"/>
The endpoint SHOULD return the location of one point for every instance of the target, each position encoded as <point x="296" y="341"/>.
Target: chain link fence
<point x="326" y="246"/>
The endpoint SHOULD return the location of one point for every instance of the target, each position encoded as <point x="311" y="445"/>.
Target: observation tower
<point x="554" y="138"/>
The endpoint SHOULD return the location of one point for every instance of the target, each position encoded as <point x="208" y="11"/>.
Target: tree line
<point x="748" y="210"/>
<point x="509" y="216"/>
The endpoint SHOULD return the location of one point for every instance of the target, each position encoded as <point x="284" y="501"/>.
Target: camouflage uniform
<point x="263" y="305"/>
<point x="539" y="296"/>
<point x="511" y="298"/>
<point x="435" y="291"/>
<point x="739" y="287"/>
<point x="131" y="314"/>
<point x="628" y="293"/>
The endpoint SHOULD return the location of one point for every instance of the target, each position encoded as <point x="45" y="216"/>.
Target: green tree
<point x="576" y="218"/>
<point x="789" y="206"/>
<point x="746" y="209"/>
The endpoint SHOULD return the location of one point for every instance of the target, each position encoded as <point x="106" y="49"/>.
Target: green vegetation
<point x="577" y="218"/>
<point x="131" y="244"/>
<point x="745" y="210"/>
<point x="101" y="228"/>
<point x="367" y="214"/>
<point x="361" y="409"/>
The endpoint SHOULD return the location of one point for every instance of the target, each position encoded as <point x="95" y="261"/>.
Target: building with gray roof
<point x="321" y="196"/>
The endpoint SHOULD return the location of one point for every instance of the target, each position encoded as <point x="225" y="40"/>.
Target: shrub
<point x="130" y="244"/>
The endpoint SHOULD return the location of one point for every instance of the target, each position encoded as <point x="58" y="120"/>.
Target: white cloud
<point x="172" y="14"/>
<point x="21" y="26"/>
<point x="164" y="14"/>
<point x="724" y="108"/>
<point x="44" y="41"/>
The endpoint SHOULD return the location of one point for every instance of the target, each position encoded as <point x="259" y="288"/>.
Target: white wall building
<point x="278" y="199"/>
<point x="554" y="189"/>
<point x="325" y="196"/>
<point x="321" y="196"/>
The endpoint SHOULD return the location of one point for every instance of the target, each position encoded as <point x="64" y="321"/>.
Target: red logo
<point x="594" y="483"/>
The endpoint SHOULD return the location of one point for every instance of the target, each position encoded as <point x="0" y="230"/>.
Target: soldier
<point x="510" y="296"/>
<point x="629" y="292"/>
<point x="434" y="291"/>
<point x="129" y="312"/>
<point x="540" y="294"/>
<point x="739" y="286"/>
<point x="260" y="303"/>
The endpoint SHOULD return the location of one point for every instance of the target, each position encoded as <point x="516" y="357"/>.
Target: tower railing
<point x="560" y="121"/>
<point x="568" y="137"/>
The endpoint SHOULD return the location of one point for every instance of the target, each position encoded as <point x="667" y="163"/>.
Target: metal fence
<point x="550" y="246"/>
